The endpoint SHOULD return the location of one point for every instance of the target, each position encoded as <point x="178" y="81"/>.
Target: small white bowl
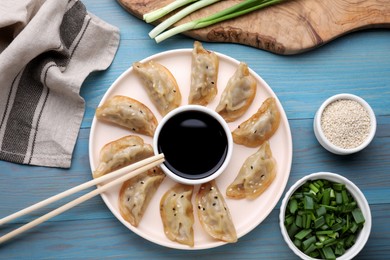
<point x="329" y="145"/>
<point x="355" y="192"/>
<point x="186" y="113"/>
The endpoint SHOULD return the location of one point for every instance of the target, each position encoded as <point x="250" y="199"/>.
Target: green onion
<point x="302" y="234"/>
<point x="358" y="215"/>
<point x="313" y="188"/>
<point x="236" y="10"/>
<point x="292" y="230"/>
<point x="344" y="196"/>
<point x="293" y="206"/>
<point x="308" y="202"/>
<point x="297" y="242"/>
<point x="308" y="242"/>
<point x="328" y="253"/>
<point x="289" y="220"/>
<point x="323" y="219"/>
<point x="339" y="249"/>
<point x="319" y="222"/>
<point x="180" y="15"/>
<point x="339" y="198"/>
<point x="310" y="249"/>
<point x="326" y="197"/>
<point x="156" y="14"/>
<point x="325" y="232"/>
<point x="354" y="227"/>
<point x="299" y="221"/>
<point x="321" y="211"/>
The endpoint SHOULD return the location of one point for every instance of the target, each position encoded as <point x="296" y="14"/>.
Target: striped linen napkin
<point x="47" y="49"/>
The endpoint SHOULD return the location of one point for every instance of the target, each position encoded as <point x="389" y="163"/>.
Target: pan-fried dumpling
<point x="177" y="214"/>
<point x="160" y="85"/>
<point x="136" y="193"/>
<point x="238" y="94"/>
<point x="129" y="113"/>
<point x="260" y="126"/>
<point x="214" y="214"/>
<point x="255" y="175"/>
<point x="122" y="152"/>
<point x="204" y="75"/>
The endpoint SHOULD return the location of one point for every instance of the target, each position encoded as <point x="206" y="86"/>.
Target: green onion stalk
<point x="161" y="12"/>
<point x="234" y="11"/>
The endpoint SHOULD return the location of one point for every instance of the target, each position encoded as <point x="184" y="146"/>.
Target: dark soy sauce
<point x="194" y="144"/>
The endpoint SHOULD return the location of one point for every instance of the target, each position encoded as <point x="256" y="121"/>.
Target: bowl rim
<point x="355" y="192"/>
<point x="325" y="142"/>
<point x="217" y="117"/>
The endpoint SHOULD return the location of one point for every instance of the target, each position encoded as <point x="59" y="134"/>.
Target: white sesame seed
<point x="345" y="123"/>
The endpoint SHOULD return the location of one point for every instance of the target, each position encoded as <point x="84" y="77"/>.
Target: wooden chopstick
<point x="127" y="172"/>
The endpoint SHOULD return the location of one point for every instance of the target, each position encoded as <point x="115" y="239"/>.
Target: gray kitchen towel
<point x="47" y="49"/>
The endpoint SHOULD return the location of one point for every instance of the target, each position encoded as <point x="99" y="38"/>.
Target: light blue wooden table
<point x="357" y="63"/>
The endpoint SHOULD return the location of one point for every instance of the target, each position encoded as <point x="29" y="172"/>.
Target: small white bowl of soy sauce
<point x="196" y="142"/>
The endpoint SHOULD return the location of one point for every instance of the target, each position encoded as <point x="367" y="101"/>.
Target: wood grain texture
<point x="292" y="27"/>
<point x="357" y="63"/>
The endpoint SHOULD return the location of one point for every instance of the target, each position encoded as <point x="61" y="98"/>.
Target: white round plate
<point x="246" y="214"/>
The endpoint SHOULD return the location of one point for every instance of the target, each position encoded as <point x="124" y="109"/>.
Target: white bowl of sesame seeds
<point x="344" y="124"/>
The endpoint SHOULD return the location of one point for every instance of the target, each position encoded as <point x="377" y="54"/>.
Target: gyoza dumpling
<point x="255" y="175"/>
<point x="260" y="126"/>
<point x="214" y="214"/>
<point x="136" y="193"/>
<point x="204" y="75"/>
<point x="177" y="214"/>
<point x="238" y="94"/>
<point x="120" y="153"/>
<point x="129" y="113"/>
<point x="160" y="85"/>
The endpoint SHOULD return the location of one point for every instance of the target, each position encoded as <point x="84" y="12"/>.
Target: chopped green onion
<point x="319" y="222"/>
<point x="325" y="232"/>
<point x="297" y="242"/>
<point x="328" y="253"/>
<point x="358" y="215"/>
<point x="292" y="230"/>
<point x="308" y="202"/>
<point x="307" y="222"/>
<point x="338" y="186"/>
<point x="326" y="197"/>
<point x="308" y="242"/>
<point x="293" y="206"/>
<point x="299" y="221"/>
<point x="302" y="234"/>
<point x="354" y="227"/>
<point x="289" y="220"/>
<point x="310" y="249"/>
<point x="321" y="211"/>
<point x="323" y="219"/>
<point x="350" y="241"/>
<point x="225" y="14"/>
<point x="340" y="250"/>
<point x="313" y="188"/>
<point x="345" y="196"/>
<point x="329" y="241"/>
<point x="339" y="198"/>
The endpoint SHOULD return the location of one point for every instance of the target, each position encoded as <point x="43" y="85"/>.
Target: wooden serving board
<point x="292" y="27"/>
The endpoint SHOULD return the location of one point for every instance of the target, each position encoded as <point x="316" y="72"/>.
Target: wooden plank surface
<point x="292" y="27"/>
<point x="358" y="63"/>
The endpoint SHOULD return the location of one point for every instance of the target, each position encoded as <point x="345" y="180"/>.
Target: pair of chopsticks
<point x="116" y="178"/>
